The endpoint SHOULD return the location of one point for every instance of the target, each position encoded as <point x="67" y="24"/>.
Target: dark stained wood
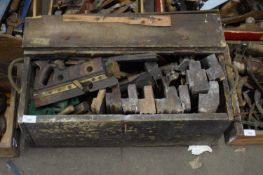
<point x="10" y="47"/>
<point x="121" y="130"/>
<point x="234" y="135"/>
<point x="231" y="99"/>
<point x="188" y="33"/>
<point x="36" y="8"/>
<point x="4" y="85"/>
<point x="9" y="141"/>
<point x="127" y="130"/>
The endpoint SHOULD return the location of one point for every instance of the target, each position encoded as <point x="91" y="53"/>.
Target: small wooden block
<point x="196" y="78"/>
<point x="215" y="71"/>
<point x="113" y="68"/>
<point x="97" y="103"/>
<point x="131" y="104"/>
<point x="147" y="105"/>
<point x="185" y="97"/>
<point x="113" y="101"/>
<point x="82" y="108"/>
<point x="68" y="110"/>
<point x="171" y="104"/>
<point x="209" y="102"/>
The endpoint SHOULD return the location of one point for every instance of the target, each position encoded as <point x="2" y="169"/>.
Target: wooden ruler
<point x="153" y="20"/>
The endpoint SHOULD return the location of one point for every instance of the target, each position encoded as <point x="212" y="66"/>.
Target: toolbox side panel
<point x="75" y="134"/>
<point x="174" y="132"/>
<point x="126" y="130"/>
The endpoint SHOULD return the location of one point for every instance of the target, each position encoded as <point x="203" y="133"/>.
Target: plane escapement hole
<point x="89" y="69"/>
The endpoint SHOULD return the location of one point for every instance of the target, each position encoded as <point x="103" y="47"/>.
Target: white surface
<point x="210" y="4"/>
<point x="249" y="132"/>
<point x="199" y="149"/>
<point x="29" y="119"/>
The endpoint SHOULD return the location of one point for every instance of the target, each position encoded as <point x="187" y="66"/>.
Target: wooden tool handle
<point x="229" y="7"/>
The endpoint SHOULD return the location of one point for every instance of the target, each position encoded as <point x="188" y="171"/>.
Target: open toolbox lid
<point x="189" y="32"/>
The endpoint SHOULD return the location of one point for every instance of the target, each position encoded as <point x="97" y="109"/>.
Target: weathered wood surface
<point x="10" y="48"/>
<point x="247" y="140"/>
<point x="188" y="33"/>
<point x="123" y="130"/>
<point x="127" y="130"/>
<point x="234" y="135"/>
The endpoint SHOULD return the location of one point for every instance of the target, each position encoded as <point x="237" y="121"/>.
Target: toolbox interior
<point x="125" y="129"/>
<point x="131" y="67"/>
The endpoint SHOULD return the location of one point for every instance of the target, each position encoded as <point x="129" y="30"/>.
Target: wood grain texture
<point x="10" y="47"/>
<point x="120" y="130"/>
<point x="58" y="36"/>
<point x="153" y="20"/>
<point x="241" y="139"/>
<point x="126" y="130"/>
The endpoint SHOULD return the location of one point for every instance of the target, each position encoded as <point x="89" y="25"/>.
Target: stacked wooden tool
<point x="128" y="84"/>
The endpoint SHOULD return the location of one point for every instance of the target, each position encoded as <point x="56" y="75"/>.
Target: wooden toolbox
<point x="170" y="36"/>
